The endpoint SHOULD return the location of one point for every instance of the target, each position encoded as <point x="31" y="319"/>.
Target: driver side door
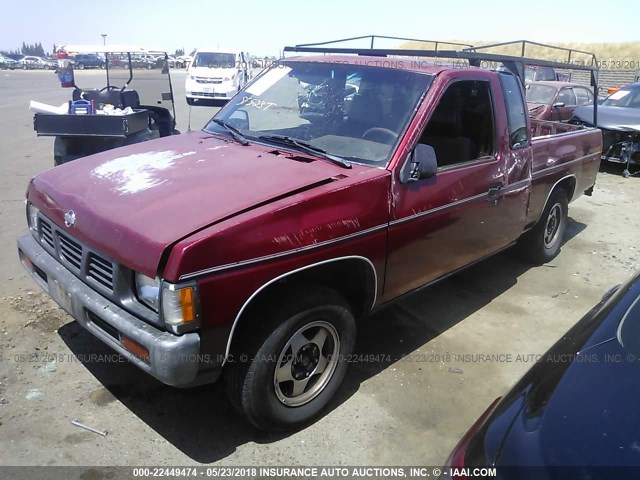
<point x="467" y="210"/>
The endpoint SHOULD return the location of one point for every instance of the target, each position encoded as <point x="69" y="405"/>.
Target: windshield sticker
<point x="619" y="94"/>
<point x="138" y="172"/>
<point x="254" y="102"/>
<point x="267" y="80"/>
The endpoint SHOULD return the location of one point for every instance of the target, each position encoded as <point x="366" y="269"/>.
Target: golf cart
<point x="134" y="104"/>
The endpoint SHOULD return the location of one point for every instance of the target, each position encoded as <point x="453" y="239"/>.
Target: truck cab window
<point x="462" y="127"/>
<point x="516" y="111"/>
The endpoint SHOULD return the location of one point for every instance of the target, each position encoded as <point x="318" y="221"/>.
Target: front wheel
<point x="290" y="361"/>
<point x="542" y="243"/>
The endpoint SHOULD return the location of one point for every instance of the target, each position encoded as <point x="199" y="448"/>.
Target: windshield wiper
<point x="305" y="147"/>
<point x="235" y="133"/>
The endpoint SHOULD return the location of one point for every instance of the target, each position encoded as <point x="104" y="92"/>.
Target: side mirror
<point x="239" y="119"/>
<point x="558" y="105"/>
<point x="422" y="164"/>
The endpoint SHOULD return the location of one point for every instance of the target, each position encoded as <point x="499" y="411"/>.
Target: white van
<point x="216" y="74"/>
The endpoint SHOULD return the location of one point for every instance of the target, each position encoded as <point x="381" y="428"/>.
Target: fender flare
<point x="246" y="304"/>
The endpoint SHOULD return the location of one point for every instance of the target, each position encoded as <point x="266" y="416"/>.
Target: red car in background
<point x="556" y="101"/>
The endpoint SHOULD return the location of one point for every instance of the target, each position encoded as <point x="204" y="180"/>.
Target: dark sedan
<point x="575" y="414"/>
<point x="556" y="101"/>
<point x="87" y="60"/>
<point x="619" y="120"/>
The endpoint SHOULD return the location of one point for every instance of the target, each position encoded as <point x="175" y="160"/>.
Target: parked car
<point x="216" y="74"/>
<point x="186" y="59"/>
<point x="175" y="62"/>
<point x="555" y="101"/>
<point x="619" y="120"/>
<point x="285" y="225"/>
<point x="7" y="63"/>
<point x="574" y="414"/>
<point x="31" y="62"/>
<point x="536" y="73"/>
<point x="87" y="60"/>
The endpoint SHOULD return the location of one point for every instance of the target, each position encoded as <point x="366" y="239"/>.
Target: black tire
<point x="286" y="343"/>
<point x="80" y="66"/>
<point x="542" y="243"/>
<point x="102" y="66"/>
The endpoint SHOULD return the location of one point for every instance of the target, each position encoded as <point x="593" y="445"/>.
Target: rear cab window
<point x="516" y="110"/>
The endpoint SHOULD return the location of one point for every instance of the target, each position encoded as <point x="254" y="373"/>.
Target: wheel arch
<point x="354" y="277"/>
<point x="568" y="184"/>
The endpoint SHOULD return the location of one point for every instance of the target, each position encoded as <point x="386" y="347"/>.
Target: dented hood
<point x="132" y="203"/>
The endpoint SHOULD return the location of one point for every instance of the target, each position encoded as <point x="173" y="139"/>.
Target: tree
<point x="179" y="52"/>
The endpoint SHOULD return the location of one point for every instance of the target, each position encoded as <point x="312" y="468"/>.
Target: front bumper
<point x="205" y="91"/>
<point x="173" y="359"/>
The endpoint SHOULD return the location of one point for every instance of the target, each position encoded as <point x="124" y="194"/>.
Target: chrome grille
<point x="70" y="251"/>
<point x="46" y="234"/>
<point x="74" y="255"/>
<point x="208" y="80"/>
<point x="100" y="270"/>
<point x="109" y="278"/>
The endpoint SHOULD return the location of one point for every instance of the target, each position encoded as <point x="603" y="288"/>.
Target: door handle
<point x="493" y="194"/>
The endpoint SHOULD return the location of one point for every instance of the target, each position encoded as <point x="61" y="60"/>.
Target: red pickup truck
<point x="328" y="187"/>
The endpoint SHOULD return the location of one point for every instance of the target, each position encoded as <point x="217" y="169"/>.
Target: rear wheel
<point x="542" y="243"/>
<point x="290" y="361"/>
<point x="80" y="66"/>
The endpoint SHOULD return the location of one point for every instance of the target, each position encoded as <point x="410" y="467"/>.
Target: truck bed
<point x="561" y="151"/>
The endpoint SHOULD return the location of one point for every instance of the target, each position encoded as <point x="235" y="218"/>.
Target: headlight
<point x="180" y="307"/>
<point x="32" y="217"/>
<point x="148" y="290"/>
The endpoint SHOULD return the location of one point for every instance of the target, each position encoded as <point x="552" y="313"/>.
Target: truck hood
<point x="611" y="118"/>
<point x="131" y="203"/>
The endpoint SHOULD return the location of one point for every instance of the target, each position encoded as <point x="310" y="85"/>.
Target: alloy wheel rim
<point x="552" y="228"/>
<point x="306" y="363"/>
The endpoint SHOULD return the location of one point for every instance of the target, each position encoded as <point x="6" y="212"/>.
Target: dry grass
<point x="604" y="51"/>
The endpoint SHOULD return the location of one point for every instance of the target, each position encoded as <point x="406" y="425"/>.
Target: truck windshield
<point x="214" y="60"/>
<point x="354" y="112"/>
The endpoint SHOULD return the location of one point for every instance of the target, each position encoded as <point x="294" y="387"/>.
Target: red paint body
<point x="236" y="217"/>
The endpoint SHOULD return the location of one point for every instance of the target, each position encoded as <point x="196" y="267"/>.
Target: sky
<point x="264" y="27"/>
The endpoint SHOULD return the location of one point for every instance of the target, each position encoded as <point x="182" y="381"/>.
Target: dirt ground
<point x="409" y="407"/>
